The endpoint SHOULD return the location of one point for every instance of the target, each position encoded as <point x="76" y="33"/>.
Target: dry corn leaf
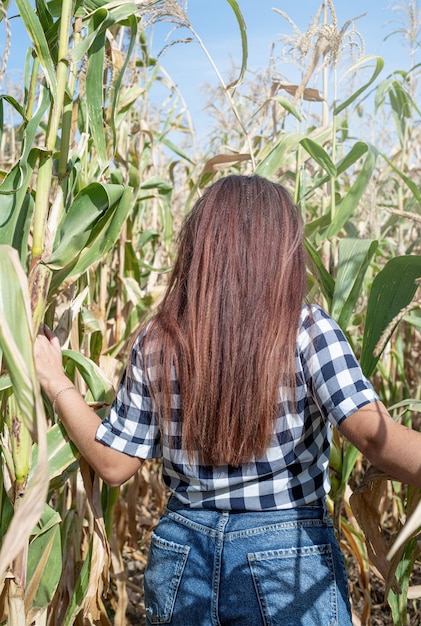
<point x="120" y="580"/>
<point x="411" y="527"/>
<point x="352" y="545"/>
<point x="221" y="161"/>
<point x="99" y="573"/>
<point x="408" y="214"/>
<point x="16" y="341"/>
<point x="414" y="592"/>
<point x="365" y="504"/>
<point x="309" y="94"/>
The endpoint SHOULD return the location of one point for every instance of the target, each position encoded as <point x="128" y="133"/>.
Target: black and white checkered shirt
<point x="294" y="469"/>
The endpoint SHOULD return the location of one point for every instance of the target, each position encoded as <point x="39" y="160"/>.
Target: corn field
<point x="92" y="191"/>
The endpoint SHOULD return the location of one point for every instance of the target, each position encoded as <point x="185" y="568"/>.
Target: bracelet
<point x="59" y="393"/>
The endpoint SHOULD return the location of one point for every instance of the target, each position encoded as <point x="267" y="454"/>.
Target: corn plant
<point x="85" y="232"/>
<point x="65" y="207"/>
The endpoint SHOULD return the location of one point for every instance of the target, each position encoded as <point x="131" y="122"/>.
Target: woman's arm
<point x="391" y="447"/>
<point x="80" y="421"/>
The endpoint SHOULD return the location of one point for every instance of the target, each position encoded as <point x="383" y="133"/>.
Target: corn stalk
<point x="58" y="225"/>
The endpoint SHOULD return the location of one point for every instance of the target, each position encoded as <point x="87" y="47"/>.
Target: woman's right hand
<point x="48" y="362"/>
<point x="80" y="421"/>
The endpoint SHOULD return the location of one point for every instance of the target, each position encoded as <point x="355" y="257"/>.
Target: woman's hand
<point x="80" y="420"/>
<point x="48" y="363"/>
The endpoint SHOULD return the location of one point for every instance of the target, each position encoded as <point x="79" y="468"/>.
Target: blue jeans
<point x="272" y="568"/>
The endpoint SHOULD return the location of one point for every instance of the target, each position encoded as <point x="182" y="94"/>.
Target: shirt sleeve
<point x="332" y="372"/>
<point x="132" y="425"/>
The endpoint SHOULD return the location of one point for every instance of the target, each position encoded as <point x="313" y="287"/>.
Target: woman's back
<point x="293" y="470"/>
<point x="229" y="318"/>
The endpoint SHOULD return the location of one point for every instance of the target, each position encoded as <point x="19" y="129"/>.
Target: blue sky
<point x="216" y="24"/>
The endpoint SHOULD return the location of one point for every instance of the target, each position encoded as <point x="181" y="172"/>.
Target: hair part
<point x="229" y="319"/>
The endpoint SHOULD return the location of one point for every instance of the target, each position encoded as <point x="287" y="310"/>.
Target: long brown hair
<point x="229" y="318"/>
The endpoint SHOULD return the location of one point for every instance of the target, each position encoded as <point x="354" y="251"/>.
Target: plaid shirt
<point x="294" y="469"/>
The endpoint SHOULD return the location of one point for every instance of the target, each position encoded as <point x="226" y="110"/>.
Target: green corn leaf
<point x="44" y="14"/>
<point x="319" y="154"/>
<point x="244" y="44"/>
<point x="115" y="13"/>
<point x="45" y="565"/>
<point x="288" y="106"/>
<point x="15" y="178"/>
<point x="409" y="403"/>
<point x="6" y="509"/>
<point x="16" y="332"/>
<point x="403" y="103"/>
<point x="349" y="459"/>
<point x="398" y="602"/>
<point x="176" y="149"/>
<point x="104" y="19"/>
<point x="62" y="456"/>
<point x="82" y="48"/>
<point x="80" y="590"/>
<point x="127" y="99"/>
<point x="16" y="344"/>
<point x="322" y="276"/>
<point x="33" y="124"/>
<point x="381" y="92"/>
<point x="357" y="151"/>
<point x="398" y="115"/>
<point x="354" y="256"/>
<point x="356" y="94"/>
<point x="349" y="202"/>
<point x="412" y="186"/>
<point x="101" y="390"/>
<point x="17" y="203"/>
<point x="413" y="320"/>
<point x="95" y="91"/>
<point x="392" y="290"/>
<point x="14" y="104"/>
<point x="21" y="441"/>
<point x="94" y="45"/>
<point x="62" y="453"/>
<point x="48" y="520"/>
<point x="37" y="35"/>
<point x="76" y="228"/>
<point x="49" y="27"/>
<point x="279" y="155"/>
<point x="160" y="184"/>
<point x="92" y="5"/>
<point x="5" y="382"/>
<point x="102" y="236"/>
<point x="119" y="79"/>
<point x="17" y="209"/>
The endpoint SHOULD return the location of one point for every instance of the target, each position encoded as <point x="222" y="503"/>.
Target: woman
<point x="236" y="384"/>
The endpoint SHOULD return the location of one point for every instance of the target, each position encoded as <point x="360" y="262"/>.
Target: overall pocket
<point x="296" y="586"/>
<point x="166" y="562"/>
